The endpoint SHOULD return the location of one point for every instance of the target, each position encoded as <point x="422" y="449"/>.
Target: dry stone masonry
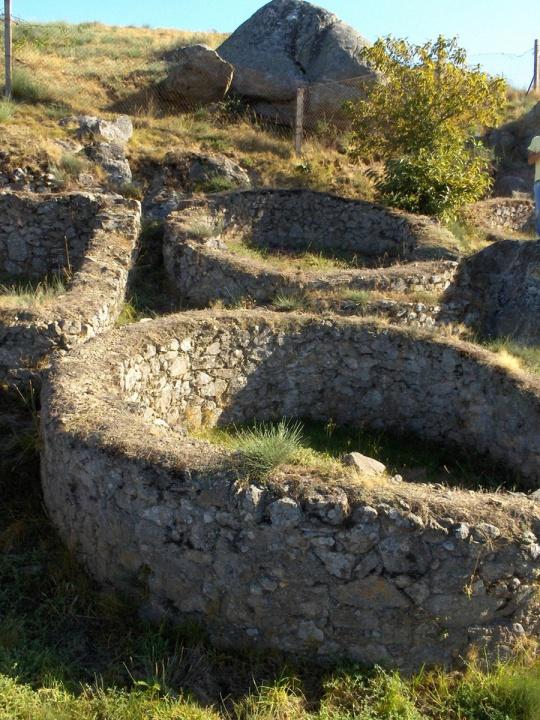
<point x="500" y="215"/>
<point x="92" y="240"/>
<point x="396" y="574"/>
<point x="497" y="291"/>
<point x="202" y="269"/>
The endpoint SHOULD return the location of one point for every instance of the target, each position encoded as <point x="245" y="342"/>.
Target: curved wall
<point x="335" y="567"/>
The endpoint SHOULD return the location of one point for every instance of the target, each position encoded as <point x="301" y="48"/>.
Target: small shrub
<point x="266" y="446"/>
<point x="360" y="297"/>
<point x="7" y="108"/>
<point x="28" y="294"/>
<point x="289" y="300"/>
<point x="73" y="165"/>
<point x="131" y="190"/>
<point x="128" y="314"/>
<point x="28" y="89"/>
<point x="214" y="184"/>
<point x="208" y="227"/>
<point x="436" y="181"/>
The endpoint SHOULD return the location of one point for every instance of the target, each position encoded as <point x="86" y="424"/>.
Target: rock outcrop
<point x="90" y="128"/>
<point x="104" y="142"/>
<point x="499" y="289"/>
<point x="288" y="44"/>
<point x="184" y="173"/>
<point x="199" y="76"/>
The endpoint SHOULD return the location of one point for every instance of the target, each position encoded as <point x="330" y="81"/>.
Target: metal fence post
<point x="7" y="47"/>
<point x="299" y="122"/>
<point x="536" y="77"/>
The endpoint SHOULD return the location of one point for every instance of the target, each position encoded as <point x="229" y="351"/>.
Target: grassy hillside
<point x="91" y="68"/>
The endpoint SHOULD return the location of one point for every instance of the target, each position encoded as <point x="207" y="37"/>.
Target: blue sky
<point x="492" y="31"/>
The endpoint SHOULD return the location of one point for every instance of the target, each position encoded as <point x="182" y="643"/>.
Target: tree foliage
<point x="426" y="108"/>
<point x="436" y="181"/>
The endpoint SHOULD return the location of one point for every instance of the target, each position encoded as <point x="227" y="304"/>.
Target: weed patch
<point x="15" y="293"/>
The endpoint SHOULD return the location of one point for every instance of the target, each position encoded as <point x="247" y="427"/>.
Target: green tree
<point x="426" y="109"/>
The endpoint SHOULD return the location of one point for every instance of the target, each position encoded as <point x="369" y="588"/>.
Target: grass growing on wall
<point x="16" y="293"/>
<point x="72" y="651"/>
<point x="302" y="260"/>
<point x="321" y="445"/>
<point x="516" y="355"/>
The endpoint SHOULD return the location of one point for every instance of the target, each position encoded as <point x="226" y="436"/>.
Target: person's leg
<point x="537" y="201"/>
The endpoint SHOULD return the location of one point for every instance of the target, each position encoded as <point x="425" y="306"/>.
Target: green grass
<point x="73" y="165"/>
<point x="216" y="183"/>
<point x="360" y="297"/>
<point x="527" y="356"/>
<point x="265" y="446"/>
<point x="7" y="110"/>
<point x="307" y="260"/>
<point x="320" y="445"/>
<point x="206" y="227"/>
<point x="15" y="293"/>
<point x="27" y="88"/>
<point x="290" y="300"/>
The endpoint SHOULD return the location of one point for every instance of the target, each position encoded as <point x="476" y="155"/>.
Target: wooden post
<point x="299" y="123"/>
<point x="536" y="77"/>
<point x="7" y="48"/>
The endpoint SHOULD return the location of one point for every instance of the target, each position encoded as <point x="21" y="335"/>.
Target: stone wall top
<point x="93" y="239"/>
<point x="305" y="219"/>
<point x="331" y="567"/>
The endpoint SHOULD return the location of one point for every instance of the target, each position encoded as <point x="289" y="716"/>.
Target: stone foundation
<point x="500" y="215"/>
<point x="202" y="269"/>
<point x="497" y="291"/>
<point x="392" y="573"/>
<point x="92" y="239"/>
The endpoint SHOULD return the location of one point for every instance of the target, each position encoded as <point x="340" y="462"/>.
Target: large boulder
<point x="510" y="143"/>
<point x="199" y="76"/>
<point x="289" y="44"/>
<point x="512" y="139"/>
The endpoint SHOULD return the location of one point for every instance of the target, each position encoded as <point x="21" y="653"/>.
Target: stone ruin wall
<point x="347" y="371"/>
<point x="101" y="234"/>
<point x="298" y="220"/>
<point x="497" y="291"/>
<point x="201" y="270"/>
<point x="322" y="571"/>
<point x="503" y="214"/>
<point x="41" y="235"/>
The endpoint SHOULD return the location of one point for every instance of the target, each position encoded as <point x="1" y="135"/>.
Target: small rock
<point x="284" y="513"/>
<point x="364" y="464"/>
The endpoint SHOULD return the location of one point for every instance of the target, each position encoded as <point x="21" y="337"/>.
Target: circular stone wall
<point x="91" y="239"/>
<point x="202" y="268"/>
<point x="389" y="573"/>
